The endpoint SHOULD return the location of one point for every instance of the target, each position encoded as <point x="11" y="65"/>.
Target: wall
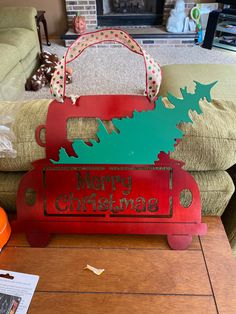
<point x="55" y="13"/>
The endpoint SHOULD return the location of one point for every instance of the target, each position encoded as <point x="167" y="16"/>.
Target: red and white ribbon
<point x="153" y="70"/>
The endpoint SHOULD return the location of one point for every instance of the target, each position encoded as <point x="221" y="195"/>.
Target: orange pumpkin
<point x="5" y="229"/>
<point x="79" y="24"/>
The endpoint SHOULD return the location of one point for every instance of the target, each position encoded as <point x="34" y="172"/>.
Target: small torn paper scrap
<point x="95" y="270"/>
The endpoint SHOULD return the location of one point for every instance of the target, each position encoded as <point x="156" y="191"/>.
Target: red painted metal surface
<point x="105" y="107"/>
<point x="131" y="199"/>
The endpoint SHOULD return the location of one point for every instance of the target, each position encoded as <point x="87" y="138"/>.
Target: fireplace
<point x="133" y="11"/>
<point x="102" y="13"/>
<point x="129" y="12"/>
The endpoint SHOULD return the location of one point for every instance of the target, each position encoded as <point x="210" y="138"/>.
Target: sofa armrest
<point x="22" y="17"/>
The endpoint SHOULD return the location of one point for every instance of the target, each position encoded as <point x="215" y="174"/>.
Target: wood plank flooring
<point x="142" y="275"/>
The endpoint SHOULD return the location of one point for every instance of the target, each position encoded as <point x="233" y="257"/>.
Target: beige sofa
<point x="19" y="50"/>
<point x="208" y="147"/>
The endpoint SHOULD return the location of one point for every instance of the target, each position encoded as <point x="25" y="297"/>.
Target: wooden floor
<point x="142" y="275"/>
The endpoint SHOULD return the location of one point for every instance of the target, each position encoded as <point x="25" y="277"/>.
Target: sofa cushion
<point x="9" y="58"/>
<point x="28" y="116"/>
<point x="31" y="62"/>
<point x="208" y="144"/>
<point x="175" y="76"/>
<point x="12" y="87"/>
<point x="216" y="189"/>
<point x="20" y="16"/>
<point x="21" y="38"/>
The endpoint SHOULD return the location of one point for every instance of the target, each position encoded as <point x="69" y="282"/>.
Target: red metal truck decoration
<point x="66" y="193"/>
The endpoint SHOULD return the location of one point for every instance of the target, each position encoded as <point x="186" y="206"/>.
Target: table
<point x="40" y="18"/>
<point x="142" y="275"/>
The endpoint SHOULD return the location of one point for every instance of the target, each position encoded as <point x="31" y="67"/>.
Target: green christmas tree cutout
<point x="140" y="138"/>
